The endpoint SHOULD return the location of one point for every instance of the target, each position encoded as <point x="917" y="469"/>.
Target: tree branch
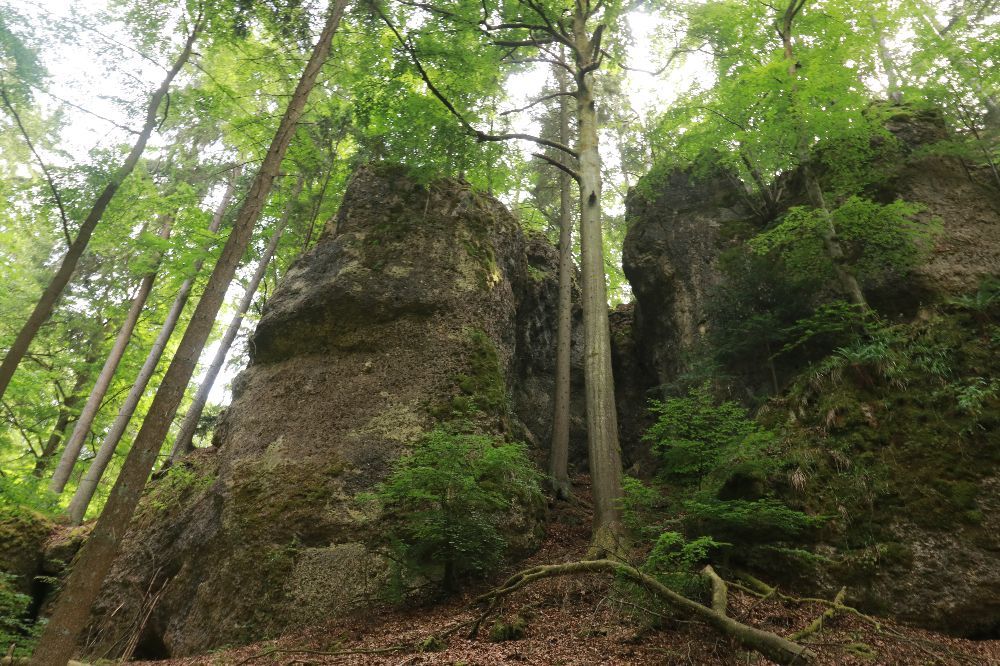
<point x="770" y="645"/>
<point x="38" y="158"/>
<point x="559" y="165"/>
<point x="478" y="134"/>
<point x="541" y="99"/>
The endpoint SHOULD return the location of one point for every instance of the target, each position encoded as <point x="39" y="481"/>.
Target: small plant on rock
<point x="447" y="501"/>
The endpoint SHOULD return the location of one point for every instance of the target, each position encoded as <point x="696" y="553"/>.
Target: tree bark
<point x="88" y="484"/>
<point x="559" y="452"/>
<point x="89" y="412"/>
<point x="603" y="451"/>
<point x="72" y="608"/>
<point x="183" y="441"/>
<point x="892" y="92"/>
<point x="47" y="302"/>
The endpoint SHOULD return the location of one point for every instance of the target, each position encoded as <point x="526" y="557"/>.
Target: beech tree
<point x="47" y="302"/>
<point x="88" y="484"/>
<point x="72" y="608"/>
<point x="86" y="418"/>
<point x="183" y="440"/>
<point x="580" y="28"/>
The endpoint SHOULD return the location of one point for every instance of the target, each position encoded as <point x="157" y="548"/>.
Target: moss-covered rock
<point x="23" y="534"/>
<point x="405" y="313"/>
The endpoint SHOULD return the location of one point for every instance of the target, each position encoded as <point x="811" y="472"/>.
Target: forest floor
<point x="585" y="620"/>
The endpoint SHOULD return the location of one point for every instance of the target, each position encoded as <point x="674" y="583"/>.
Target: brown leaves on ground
<point x="585" y="620"/>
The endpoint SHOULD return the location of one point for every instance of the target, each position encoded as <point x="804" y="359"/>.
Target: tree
<point x="47" y="301"/>
<point x="183" y="440"/>
<point x="72" y="608"/>
<point x="88" y="484"/>
<point x="86" y="418"/>
<point x="526" y="24"/>
<point x="559" y="452"/>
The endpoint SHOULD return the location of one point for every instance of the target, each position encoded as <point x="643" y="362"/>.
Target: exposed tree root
<point x="828" y="614"/>
<point x="720" y="592"/>
<point x="770" y="645"/>
<point x="759" y="588"/>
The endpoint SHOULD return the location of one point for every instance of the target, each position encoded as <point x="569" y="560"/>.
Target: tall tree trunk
<point x="183" y="441"/>
<point x="88" y="484"/>
<point x="89" y="412"/>
<point x="47" y="302"/>
<point x="559" y="452"/>
<point x="603" y="450"/>
<point x="831" y="243"/>
<point x="72" y="608"/>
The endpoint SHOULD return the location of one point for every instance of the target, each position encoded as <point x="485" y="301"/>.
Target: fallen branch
<point x="828" y="614"/>
<point x="759" y="588"/>
<point x="770" y="645"/>
<point x="720" y="592"/>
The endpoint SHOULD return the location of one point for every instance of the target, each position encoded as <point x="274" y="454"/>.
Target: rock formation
<point x="417" y="305"/>
<point x="921" y="566"/>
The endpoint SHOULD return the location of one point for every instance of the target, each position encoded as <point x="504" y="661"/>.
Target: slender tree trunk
<point x="602" y="421"/>
<point x="559" y="453"/>
<point x="88" y="484"/>
<point x="831" y="243"/>
<point x="892" y="76"/>
<point x="72" y="608"/>
<point x="47" y="303"/>
<point x="183" y="441"/>
<point x="66" y="411"/>
<point x="90" y="409"/>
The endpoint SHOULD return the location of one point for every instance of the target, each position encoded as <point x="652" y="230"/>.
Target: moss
<point x="537" y="274"/>
<point x="484" y="387"/>
<point x="897" y="449"/>
<point x="514" y="630"/>
<point x="182" y="486"/>
<point x="22" y="536"/>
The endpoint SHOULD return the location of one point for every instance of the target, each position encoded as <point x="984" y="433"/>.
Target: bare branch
<point x="559" y="165"/>
<point x="38" y="158"/>
<point x="524" y="42"/>
<point x="543" y="98"/>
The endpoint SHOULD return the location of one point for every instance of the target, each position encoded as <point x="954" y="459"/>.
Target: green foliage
<point x="984" y="301"/>
<point x="15" y="627"/>
<point x="675" y="561"/>
<point x="27" y="493"/>
<point x="692" y="434"/>
<point x="719" y="467"/>
<point x="447" y="501"/>
<point x="881" y="240"/>
<point x="762" y="521"/>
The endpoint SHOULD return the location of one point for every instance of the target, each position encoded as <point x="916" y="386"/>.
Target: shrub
<point x="725" y="464"/>
<point x="15" y="627"/>
<point x="674" y="561"/>
<point x="446" y="503"/>
<point x="692" y="434"/>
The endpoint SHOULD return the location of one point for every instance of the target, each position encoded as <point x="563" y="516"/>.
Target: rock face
<point x="411" y="310"/>
<point x="947" y="576"/>
<point x="669" y="257"/>
<point x="678" y="228"/>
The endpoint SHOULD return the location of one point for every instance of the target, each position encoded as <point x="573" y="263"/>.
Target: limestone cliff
<point x="416" y="306"/>
<point x="906" y="477"/>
